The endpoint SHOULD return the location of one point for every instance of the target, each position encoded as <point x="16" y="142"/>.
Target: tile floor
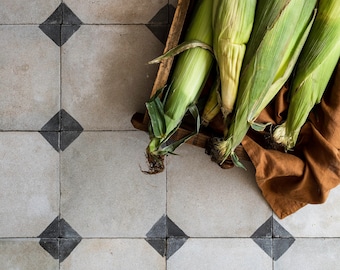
<point x="72" y="195"/>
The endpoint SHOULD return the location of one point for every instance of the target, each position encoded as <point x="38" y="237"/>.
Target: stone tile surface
<point x="322" y="220"/>
<point x="72" y="191"/>
<point x="107" y="254"/>
<point x="106" y="78"/>
<point x="26" y="12"/>
<point x="25" y="254"/>
<point x="29" y="194"/>
<point x="104" y="192"/>
<point x="29" y="78"/>
<point x="311" y="254"/>
<point x="207" y="201"/>
<point x="116" y="12"/>
<point x="219" y="254"/>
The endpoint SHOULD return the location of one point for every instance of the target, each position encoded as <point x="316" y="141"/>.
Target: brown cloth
<point x="291" y="180"/>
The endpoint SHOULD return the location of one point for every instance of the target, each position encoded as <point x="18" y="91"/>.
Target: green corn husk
<point x="313" y="71"/>
<point x="280" y="30"/>
<point x="190" y="73"/>
<point x="232" y="25"/>
<point x="213" y="104"/>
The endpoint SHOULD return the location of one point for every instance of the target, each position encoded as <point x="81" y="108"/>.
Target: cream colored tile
<point x="25" y="254"/>
<point x="207" y="201"/>
<point x="29" y="78"/>
<point x="26" y="12"/>
<point x="320" y="220"/>
<point x="104" y="192"/>
<point x="118" y="11"/>
<point x="107" y="254"/>
<point x="219" y="254"/>
<point x="29" y="194"/>
<point x="106" y="78"/>
<point x="311" y="254"/>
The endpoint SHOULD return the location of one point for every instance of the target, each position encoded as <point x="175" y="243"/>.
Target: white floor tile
<point x="29" y="194"/>
<point x="29" y="78"/>
<point x="106" y="78"/>
<point x="85" y="200"/>
<point x="108" y="254"/>
<point x="219" y="254"/>
<point x="17" y="254"/>
<point x="207" y="201"/>
<point x="26" y="12"/>
<point x="321" y="220"/>
<point x="116" y="12"/>
<point x="104" y="192"/>
<point x="311" y="254"/>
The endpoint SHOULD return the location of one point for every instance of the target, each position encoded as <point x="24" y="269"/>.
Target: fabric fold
<point x="291" y="180"/>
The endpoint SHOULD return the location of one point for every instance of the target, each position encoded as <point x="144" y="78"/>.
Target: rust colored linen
<point x="289" y="181"/>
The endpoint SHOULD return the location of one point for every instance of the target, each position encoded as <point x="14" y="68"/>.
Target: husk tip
<point x="217" y="149"/>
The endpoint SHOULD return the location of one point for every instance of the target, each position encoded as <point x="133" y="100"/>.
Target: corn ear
<point x="280" y="30"/>
<point x="232" y="25"/>
<point x="213" y="104"/>
<point x="191" y="70"/>
<point x="313" y="71"/>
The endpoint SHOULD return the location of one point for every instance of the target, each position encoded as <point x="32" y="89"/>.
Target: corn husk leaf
<point x="279" y="31"/>
<point x="232" y="25"/>
<point x="314" y="69"/>
<point x="190" y="72"/>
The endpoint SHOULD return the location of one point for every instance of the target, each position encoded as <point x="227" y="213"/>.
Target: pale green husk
<point x="314" y="69"/>
<point x="280" y="30"/>
<point x="191" y="70"/>
<point x="232" y="25"/>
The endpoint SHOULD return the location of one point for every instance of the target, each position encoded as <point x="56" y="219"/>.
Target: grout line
<point x="143" y="238"/>
<point x="89" y="24"/>
<point x="85" y="130"/>
<point x="59" y="136"/>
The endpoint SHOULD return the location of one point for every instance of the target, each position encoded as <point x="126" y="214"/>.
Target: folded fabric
<point x="306" y="175"/>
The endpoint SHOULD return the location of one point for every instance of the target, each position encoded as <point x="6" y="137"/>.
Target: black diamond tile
<point x="53" y="31"/>
<point x="68" y="123"/>
<point x="61" y="25"/>
<point x="66" y="231"/>
<point x="53" y="124"/>
<point x="279" y="231"/>
<point x="280" y="246"/>
<point x="61" y="130"/>
<point x="158" y="230"/>
<point x="59" y="239"/>
<point x="158" y="244"/>
<point x="162" y="16"/>
<point x="53" y="138"/>
<point x="51" y="246"/>
<point x="160" y="31"/>
<point x="56" y="17"/>
<point x="52" y="230"/>
<point x="273" y="238"/>
<point x="166" y="237"/>
<point x="160" y="24"/>
<point x="171" y="12"/>
<point x="173" y="230"/>
<point x="69" y="17"/>
<point x="67" y="137"/>
<point x="266" y="244"/>
<point x="66" y="32"/>
<point x="265" y="230"/>
<point x="174" y="244"/>
<point x="66" y="246"/>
